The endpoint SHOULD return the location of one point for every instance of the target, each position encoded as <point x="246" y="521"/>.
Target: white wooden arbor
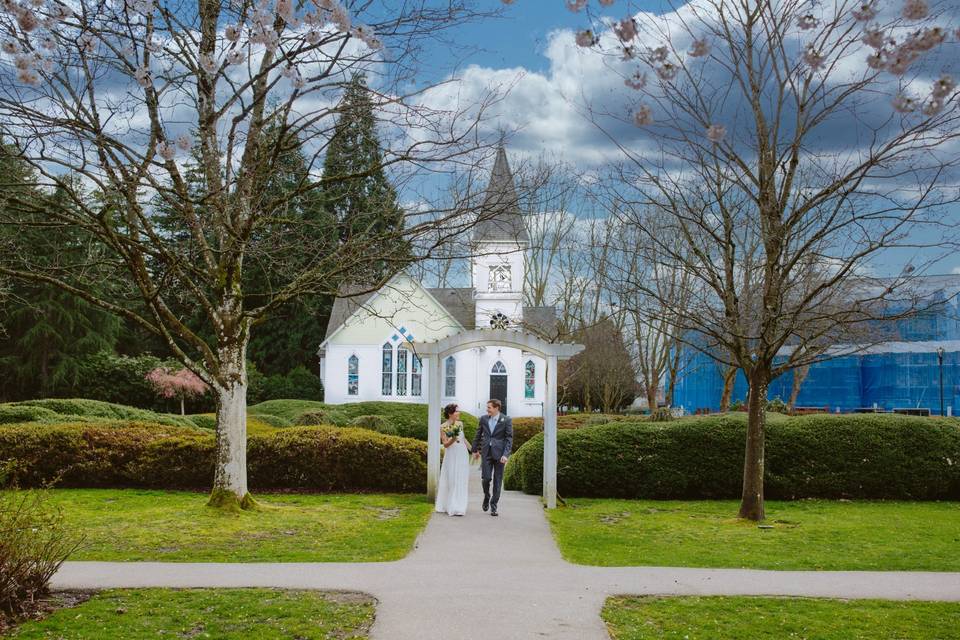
<point x="436" y="351"/>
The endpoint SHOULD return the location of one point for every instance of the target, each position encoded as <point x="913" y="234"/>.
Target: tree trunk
<point x="652" y="398"/>
<point x="182" y="409"/>
<point x="751" y="503"/>
<point x="799" y="375"/>
<point x="729" y="379"/>
<point x="230" y="478"/>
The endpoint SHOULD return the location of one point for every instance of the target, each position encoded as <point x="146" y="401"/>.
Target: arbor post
<point x="550" y="436"/>
<point x="433" y="425"/>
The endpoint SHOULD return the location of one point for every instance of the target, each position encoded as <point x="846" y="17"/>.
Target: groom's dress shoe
<point x="486" y="503"/>
<point x="493" y="511"/>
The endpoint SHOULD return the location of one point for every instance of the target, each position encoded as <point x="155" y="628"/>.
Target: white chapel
<point x="368" y="352"/>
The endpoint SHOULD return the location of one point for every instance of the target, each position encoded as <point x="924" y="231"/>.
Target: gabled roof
<point x="458" y="302"/>
<point x="500" y="217"/>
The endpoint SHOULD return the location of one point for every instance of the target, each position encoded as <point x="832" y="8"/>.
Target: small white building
<point x="368" y="353"/>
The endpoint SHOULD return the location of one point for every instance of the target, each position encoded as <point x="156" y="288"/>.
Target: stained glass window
<point x="529" y="379"/>
<point x="498" y="369"/>
<point x="402" y="355"/>
<point x="499" y="321"/>
<point x="416" y="376"/>
<point x="386" y="386"/>
<point x="450" y="377"/>
<point x="353" y="376"/>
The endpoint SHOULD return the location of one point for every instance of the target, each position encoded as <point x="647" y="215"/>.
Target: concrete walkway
<point x="503" y="577"/>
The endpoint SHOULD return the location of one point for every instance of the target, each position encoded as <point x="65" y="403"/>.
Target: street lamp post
<point x="940" y="365"/>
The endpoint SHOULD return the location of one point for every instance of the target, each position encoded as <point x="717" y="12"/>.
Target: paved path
<point x="448" y="588"/>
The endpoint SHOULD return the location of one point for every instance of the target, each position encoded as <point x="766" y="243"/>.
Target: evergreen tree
<point x="48" y="332"/>
<point x="356" y="190"/>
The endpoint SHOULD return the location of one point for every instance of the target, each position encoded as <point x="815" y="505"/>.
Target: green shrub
<point x="410" y="420"/>
<point x="34" y="542"/>
<point x="156" y="456"/>
<point x="204" y="420"/>
<point x="297" y="384"/>
<point x="814" y="456"/>
<point x="318" y="417"/>
<point x="69" y="409"/>
<point x="374" y="423"/>
<point x="12" y="413"/>
<point x="593" y="421"/>
<point x="661" y="414"/>
<point x="274" y="421"/>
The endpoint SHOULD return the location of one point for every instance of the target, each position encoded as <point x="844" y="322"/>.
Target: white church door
<point x="498" y="385"/>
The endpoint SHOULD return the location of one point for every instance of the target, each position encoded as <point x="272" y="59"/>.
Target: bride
<point x="455" y="470"/>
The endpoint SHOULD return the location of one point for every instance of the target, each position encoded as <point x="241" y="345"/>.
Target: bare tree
<point x="771" y="152"/>
<point x="113" y="94"/>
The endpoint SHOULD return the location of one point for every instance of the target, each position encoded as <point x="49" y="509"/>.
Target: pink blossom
<point x="183" y="383"/>
<point x="874" y="37"/>
<point x="23" y="61"/>
<point x="807" y="22"/>
<point x="607" y="3"/>
<point x="232" y="33"/>
<point x="208" y="64"/>
<point x="875" y="61"/>
<point x="926" y="39"/>
<point x="184" y="142"/>
<point x="626" y="29"/>
<point x="933" y="106"/>
<point x="667" y="71"/>
<point x="166" y="151"/>
<point x="659" y="54"/>
<point x="11" y="46"/>
<point x="700" y="48"/>
<point x="341" y="18"/>
<point x="48" y="42"/>
<point x="943" y="87"/>
<point x="142" y="76"/>
<point x="915" y="9"/>
<point x="716" y="133"/>
<point x="864" y="13"/>
<point x="637" y="81"/>
<point x="87" y="43"/>
<point x="904" y="104"/>
<point x="313" y="36"/>
<point x="28" y="76"/>
<point x="643" y="116"/>
<point x="586" y="38"/>
<point x="576" y="5"/>
<point x="813" y="58"/>
<point x="28" y="21"/>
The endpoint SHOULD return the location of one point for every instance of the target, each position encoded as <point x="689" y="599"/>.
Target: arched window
<point x="353" y="375"/>
<point x="416" y="376"/>
<point x="499" y="321"/>
<point x="386" y="385"/>
<point x="402" y="358"/>
<point x="450" y="377"/>
<point x="529" y="379"/>
<point x="498" y="369"/>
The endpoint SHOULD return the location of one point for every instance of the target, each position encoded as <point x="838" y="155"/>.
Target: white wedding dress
<point x="454" y="479"/>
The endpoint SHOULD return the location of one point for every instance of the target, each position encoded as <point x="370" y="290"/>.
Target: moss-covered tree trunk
<point x="230" y="478"/>
<point x="751" y="502"/>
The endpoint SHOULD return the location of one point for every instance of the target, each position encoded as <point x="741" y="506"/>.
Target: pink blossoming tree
<point x="181" y="384"/>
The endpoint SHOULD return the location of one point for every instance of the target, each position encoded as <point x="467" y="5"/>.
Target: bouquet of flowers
<point x="453" y="430"/>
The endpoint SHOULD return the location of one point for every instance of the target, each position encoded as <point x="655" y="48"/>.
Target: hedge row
<point x="82" y="410"/>
<point x="155" y="456"/>
<point x="815" y="456"/>
<point x="408" y="420"/>
<point x="525" y="429"/>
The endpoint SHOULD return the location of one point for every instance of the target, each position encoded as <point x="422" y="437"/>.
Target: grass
<point x="806" y="534"/>
<point x="128" y="524"/>
<point x="745" y="618"/>
<point x="231" y="614"/>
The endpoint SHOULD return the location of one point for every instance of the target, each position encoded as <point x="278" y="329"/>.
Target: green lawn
<point x="174" y="526"/>
<point x="224" y="614"/>
<point x="740" y="618"/>
<point x="807" y="534"/>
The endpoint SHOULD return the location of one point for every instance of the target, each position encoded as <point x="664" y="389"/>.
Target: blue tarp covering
<point x="896" y="375"/>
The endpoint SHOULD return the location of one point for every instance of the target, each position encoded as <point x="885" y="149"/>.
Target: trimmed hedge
<point x="526" y="428"/>
<point x="82" y="410"/>
<point x="409" y="420"/>
<point x="374" y="423"/>
<point x="158" y="456"/>
<point x="814" y="456"/>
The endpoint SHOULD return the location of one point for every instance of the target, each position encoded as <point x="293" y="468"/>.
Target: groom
<point x="492" y="444"/>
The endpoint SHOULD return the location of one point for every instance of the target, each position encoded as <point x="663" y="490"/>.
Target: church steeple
<point x="500" y="217"/>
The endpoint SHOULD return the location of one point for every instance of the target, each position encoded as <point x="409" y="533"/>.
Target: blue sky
<point x="530" y="50"/>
